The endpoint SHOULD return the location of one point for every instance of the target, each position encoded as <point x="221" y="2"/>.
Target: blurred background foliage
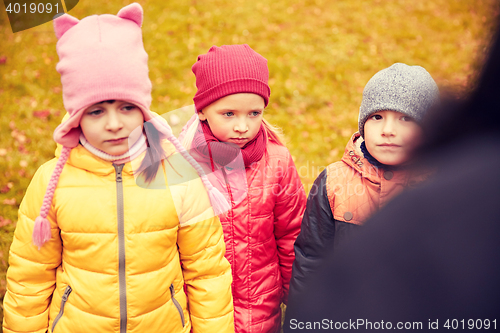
<point x="320" y="53"/>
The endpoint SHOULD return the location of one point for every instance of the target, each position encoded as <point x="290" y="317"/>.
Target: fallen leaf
<point x="7" y="187"/>
<point x="3" y="60"/>
<point x="334" y="153"/>
<point x="21" y="138"/>
<point x="41" y="114"/>
<point x="18" y="136"/>
<point x="4" y="221"/>
<point x="22" y="149"/>
<point x="10" y="202"/>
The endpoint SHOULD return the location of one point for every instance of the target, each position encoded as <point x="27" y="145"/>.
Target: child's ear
<point x="63" y="23"/>
<point x="132" y="12"/>
<point x="201" y="115"/>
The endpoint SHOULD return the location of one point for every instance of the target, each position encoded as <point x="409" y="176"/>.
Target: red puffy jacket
<point x="260" y="232"/>
<point x="267" y="202"/>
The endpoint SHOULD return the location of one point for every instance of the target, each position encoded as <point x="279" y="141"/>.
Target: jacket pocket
<point x="64" y="299"/>
<point x="176" y="303"/>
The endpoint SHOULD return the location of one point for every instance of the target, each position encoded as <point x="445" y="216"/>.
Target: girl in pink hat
<point x="244" y="158"/>
<point x="112" y="228"/>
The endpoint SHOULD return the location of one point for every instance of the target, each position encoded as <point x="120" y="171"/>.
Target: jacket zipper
<point x="228" y="186"/>
<point x="121" y="248"/>
<point x="176" y="303"/>
<point x="64" y="298"/>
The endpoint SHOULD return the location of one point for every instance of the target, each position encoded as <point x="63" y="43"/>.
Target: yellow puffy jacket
<point x="114" y="261"/>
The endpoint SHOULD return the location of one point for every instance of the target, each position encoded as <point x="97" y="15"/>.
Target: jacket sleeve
<point x="288" y="212"/>
<point x="31" y="276"/>
<point x="206" y="271"/>
<point x="316" y="235"/>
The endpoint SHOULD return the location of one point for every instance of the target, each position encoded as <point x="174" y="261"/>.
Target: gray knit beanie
<point x="402" y="88"/>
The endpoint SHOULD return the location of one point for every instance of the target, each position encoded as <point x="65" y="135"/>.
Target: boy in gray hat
<point x="374" y="168"/>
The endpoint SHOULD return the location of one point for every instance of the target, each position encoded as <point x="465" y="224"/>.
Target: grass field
<point x="320" y="53"/>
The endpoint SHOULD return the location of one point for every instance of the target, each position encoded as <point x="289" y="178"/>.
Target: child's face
<point x="392" y="137"/>
<point x="107" y="125"/>
<point x="235" y="118"/>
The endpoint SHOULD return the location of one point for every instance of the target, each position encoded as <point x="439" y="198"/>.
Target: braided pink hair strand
<point x="41" y="230"/>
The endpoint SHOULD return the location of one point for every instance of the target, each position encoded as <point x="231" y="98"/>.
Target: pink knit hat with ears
<point x="103" y="58"/>
<point x="227" y="70"/>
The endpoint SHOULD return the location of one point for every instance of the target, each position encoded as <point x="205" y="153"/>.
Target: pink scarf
<point x="218" y="154"/>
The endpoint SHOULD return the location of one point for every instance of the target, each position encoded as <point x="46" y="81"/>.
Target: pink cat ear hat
<point x="102" y="57"/>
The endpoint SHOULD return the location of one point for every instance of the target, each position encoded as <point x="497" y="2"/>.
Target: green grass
<point x="320" y="53"/>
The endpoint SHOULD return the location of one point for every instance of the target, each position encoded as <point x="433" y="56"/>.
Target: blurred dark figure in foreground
<point x="431" y="258"/>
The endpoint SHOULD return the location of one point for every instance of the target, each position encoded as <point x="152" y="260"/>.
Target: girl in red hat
<point x="244" y="158"/>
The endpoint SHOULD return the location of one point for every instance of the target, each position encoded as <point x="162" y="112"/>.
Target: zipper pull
<point x="172" y="290"/>
<point x="118" y="170"/>
<point x="66" y="293"/>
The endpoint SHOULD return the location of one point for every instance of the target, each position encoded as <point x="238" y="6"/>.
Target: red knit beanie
<point x="227" y="70"/>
